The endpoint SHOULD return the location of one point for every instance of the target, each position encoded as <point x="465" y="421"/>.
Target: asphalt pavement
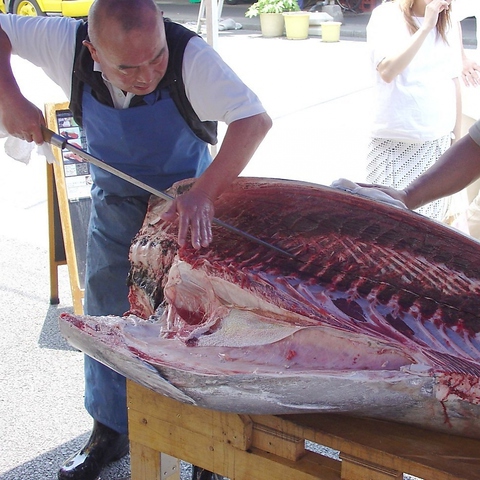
<point x="318" y="95"/>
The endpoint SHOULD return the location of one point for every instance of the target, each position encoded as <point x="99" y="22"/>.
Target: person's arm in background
<point x="20" y="117"/>
<point x="393" y="65"/>
<point x="457" y="168"/>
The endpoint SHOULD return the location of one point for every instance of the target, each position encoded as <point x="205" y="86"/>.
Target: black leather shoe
<point x="103" y="447"/>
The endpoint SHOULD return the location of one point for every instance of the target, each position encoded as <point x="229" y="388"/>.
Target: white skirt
<point x="396" y="164"/>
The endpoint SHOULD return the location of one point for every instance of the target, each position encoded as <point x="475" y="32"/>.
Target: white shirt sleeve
<point x="47" y="42"/>
<point x="386" y="32"/>
<point x="213" y="88"/>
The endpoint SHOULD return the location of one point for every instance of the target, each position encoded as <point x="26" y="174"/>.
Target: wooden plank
<point x="202" y="449"/>
<point x="419" y="452"/>
<point x="53" y="236"/>
<point x="277" y="442"/>
<point x="202" y="437"/>
<point x="144" y="462"/>
<point x="223" y="458"/>
<point x="148" y="464"/>
<point x="358" y="469"/>
<point x="260" y="465"/>
<point x="286" y="424"/>
<point x="232" y="428"/>
<point x="262" y="447"/>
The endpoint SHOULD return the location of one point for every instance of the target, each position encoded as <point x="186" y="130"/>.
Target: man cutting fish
<point x="148" y="94"/>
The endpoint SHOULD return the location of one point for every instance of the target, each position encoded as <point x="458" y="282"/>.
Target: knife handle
<point x="53" y="138"/>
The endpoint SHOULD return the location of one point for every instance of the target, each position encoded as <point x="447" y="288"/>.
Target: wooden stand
<point x="263" y="447"/>
<point x="67" y="220"/>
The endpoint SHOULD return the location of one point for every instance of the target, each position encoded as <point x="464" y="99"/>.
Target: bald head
<point x="127" y="39"/>
<point x="125" y="14"/>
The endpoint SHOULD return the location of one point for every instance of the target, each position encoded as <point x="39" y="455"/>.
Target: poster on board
<point x="77" y="172"/>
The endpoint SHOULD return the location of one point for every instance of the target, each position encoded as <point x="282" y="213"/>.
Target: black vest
<point x="177" y="39"/>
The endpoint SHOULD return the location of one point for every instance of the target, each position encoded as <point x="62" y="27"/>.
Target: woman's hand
<point x="432" y="12"/>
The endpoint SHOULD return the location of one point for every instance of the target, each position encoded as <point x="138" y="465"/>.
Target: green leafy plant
<point x="272" y="6"/>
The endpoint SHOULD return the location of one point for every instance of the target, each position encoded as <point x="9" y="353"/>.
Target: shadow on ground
<point x="45" y="466"/>
<point x="50" y="336"/>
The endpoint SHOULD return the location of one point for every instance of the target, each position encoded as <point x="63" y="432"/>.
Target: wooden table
<point x="268" y="447"/>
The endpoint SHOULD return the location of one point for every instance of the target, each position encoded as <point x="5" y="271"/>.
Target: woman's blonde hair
<point x="443" y="19"/>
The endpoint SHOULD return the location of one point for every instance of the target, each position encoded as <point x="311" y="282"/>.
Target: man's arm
<point x="195" y="208"/>
<point x="457" y="168"/>
<point x="20" y="117"/>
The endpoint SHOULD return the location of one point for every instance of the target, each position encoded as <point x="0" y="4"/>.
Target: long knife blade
<point x="58" y="141"/>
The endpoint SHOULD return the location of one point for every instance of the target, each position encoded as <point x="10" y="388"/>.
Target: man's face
<point x="133" y="61"/>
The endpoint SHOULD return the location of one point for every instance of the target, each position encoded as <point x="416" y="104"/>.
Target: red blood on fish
<point x="291" y="354"/>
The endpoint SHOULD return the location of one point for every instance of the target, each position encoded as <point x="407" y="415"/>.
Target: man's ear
<point x="91" y="49"/>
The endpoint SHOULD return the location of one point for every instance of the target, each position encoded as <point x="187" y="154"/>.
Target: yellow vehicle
<point x="33" y="8"/>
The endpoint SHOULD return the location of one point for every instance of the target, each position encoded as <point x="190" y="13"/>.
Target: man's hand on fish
<point x="390" y="191"/>
<point x="373" y="191"/>
<point x="194" y="210"/>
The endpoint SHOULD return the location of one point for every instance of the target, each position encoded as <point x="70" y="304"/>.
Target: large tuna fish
<point x="377" y="316"/>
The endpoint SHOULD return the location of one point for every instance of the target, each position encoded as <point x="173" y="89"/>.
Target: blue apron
<point x="152" y="143"/>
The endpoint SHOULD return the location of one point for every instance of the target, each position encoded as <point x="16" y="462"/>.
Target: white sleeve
<point x="453" y="37"/>
<point x="47" y="42"/>
<point x="213" y="88"/>
<point x="386" y="31"/>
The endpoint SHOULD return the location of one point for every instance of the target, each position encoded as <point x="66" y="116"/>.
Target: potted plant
<point x="270" y="12"/>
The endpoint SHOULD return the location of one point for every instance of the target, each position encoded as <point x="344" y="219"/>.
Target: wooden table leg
<point x="144" y="462"/>
<point x="148" y="464"/>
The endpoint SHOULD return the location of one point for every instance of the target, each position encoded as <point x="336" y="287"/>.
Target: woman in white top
<point x="416" y="55"/>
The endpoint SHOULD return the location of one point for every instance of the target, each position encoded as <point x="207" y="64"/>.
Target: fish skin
<point x="378" y="317"/>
